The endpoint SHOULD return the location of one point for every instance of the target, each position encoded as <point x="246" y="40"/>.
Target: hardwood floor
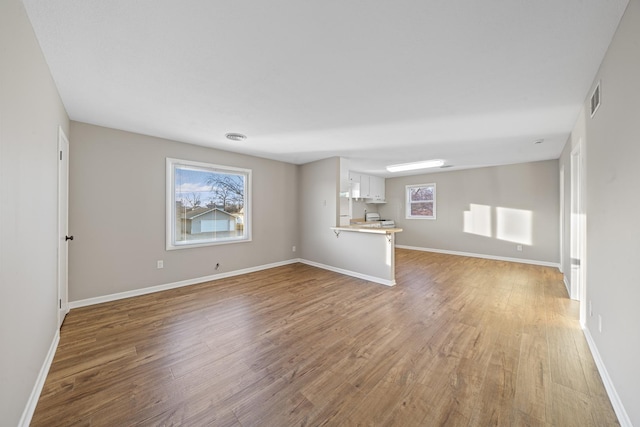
<point x="457" y="342"/>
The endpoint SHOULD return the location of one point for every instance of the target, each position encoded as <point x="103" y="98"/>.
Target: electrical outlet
<point x="599" y="322"/>
<point x="293" y="249"/>
<point x="160" y="264"/>
<point x="519" y="248"/>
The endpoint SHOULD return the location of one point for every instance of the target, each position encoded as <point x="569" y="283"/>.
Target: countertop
<point x="365" y="229"/>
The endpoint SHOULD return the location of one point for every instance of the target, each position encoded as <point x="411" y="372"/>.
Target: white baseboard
<point x="618" y="407"/>
<point x="566" y="284"/>
<point x="474" y="255"/>
<point x="167" y="286"/>
<point x="350" y="273"/>
<point x="30" y="408"/>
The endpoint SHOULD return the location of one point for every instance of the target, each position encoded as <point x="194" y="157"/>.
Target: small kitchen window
<point x="421" y="201"/>
<point x="207" y="204"/>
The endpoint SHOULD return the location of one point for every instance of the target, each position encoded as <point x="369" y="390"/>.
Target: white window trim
<point x="407" y="201"/>
<point x="170" y="204"/>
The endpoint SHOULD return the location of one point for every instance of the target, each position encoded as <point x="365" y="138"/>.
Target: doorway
<point x="578" y="230"/>
<point x="63" y="226"/>
<point x="562" y="210"/>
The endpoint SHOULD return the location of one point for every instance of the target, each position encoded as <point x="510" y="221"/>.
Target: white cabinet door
<point x="344" y="177"/>
<point x="377" y="188"/>
<point x="365" y="186"/>
<point x="354" y="183"/>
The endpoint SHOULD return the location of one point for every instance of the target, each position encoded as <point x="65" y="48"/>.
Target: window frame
<point x="171" y="165"/>
<point x="408" y="202"/>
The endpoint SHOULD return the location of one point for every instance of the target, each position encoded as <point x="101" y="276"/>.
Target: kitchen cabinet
<point x="354" y="185"/>
<point x="359" y="185"/>
<point x="344" y="177"/>
<point x="365" y="186"/>
<point x="344" y="199"/>
<point x="376" y="189"/>
<point x="368" y="187"/>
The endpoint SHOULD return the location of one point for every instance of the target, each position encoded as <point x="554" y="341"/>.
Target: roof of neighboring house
<point x="200" y="211"/>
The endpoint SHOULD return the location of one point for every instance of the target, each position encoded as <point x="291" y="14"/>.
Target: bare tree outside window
<point x="228" y="191"/>
<point x="421" y="201"/>
<point x="207" y="204"/>
<point x="191" y="201"/>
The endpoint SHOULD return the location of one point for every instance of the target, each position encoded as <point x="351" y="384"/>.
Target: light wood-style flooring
<point x="457" y="342"/>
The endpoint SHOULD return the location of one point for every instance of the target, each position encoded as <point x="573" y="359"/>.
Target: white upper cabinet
<point x="376" y="189"/>
<point x="367" y="187"/>
<point x="354" y="185"/>
<point x="344" y="177"/>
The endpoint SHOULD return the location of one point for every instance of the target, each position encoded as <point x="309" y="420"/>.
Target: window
<point x="421" y="201"/>
<point x="206" y="204"/>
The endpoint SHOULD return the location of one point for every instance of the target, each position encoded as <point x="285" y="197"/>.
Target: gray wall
<point x="361" y="253"/>
<point x="118" y="176"/>
<point x="527" y="190"/>
<point x="110" y="170"/>
<point x="319" y="186"/>
<point x="30" y="113"/>
<point x="612" y="140"/>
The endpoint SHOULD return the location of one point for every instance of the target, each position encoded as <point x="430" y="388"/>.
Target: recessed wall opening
<point x="595" y="99"/>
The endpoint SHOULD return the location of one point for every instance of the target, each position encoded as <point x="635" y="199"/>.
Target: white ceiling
<point x="377" y="81"/>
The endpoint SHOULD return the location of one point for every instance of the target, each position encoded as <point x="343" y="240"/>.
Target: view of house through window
<point x="207" y="204"/>
<point x="421" y="201"/>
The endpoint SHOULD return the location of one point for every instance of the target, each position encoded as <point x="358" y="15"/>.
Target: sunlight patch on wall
<point x="477" y="220"/>
<point x="514" y="225"/>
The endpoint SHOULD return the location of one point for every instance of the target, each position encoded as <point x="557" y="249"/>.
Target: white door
<point x="63" y="226"/>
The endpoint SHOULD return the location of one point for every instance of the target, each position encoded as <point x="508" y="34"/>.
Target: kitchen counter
<point x="365" y="251"/>
<point x="368" y="229"/>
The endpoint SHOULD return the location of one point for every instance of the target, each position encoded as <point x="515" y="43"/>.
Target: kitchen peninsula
<point x="370" y="251"/>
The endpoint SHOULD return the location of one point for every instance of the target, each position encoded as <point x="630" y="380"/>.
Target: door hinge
<point x="61" y="155"/>
<point x="60" y="303"/>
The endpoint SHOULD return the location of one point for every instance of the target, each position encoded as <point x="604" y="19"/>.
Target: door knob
<point x="68" y="238"/>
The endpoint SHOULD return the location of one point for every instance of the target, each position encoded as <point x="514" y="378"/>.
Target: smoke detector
<point x="236" y="136"/>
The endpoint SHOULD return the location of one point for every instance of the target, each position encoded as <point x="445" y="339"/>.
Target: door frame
<point x="562" y="212"/>
<point x="578" y="237"/>
<point x="63" y="226"/>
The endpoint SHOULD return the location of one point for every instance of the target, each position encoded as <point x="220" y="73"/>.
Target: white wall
<point x="118" y="178"/>
<point x="486" y="211"/>
<point x="612" y="139"/>
<point x="30" y="113"/>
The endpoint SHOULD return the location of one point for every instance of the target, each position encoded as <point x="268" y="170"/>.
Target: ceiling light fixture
<point x="236" y="136"/>
<point x="415" y="165"/>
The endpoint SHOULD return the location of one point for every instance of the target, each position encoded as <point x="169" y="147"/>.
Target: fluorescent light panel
<point x="415" y="165"/>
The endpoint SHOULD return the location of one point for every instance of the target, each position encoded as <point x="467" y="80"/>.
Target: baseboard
<point x="474" y="255"/>
<point x="167" y="286"/>
<point x="566" y="284"/>
<point x="30" y="408"/>
<point x="349" y="273"/>
<point x="618" y="407"/>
